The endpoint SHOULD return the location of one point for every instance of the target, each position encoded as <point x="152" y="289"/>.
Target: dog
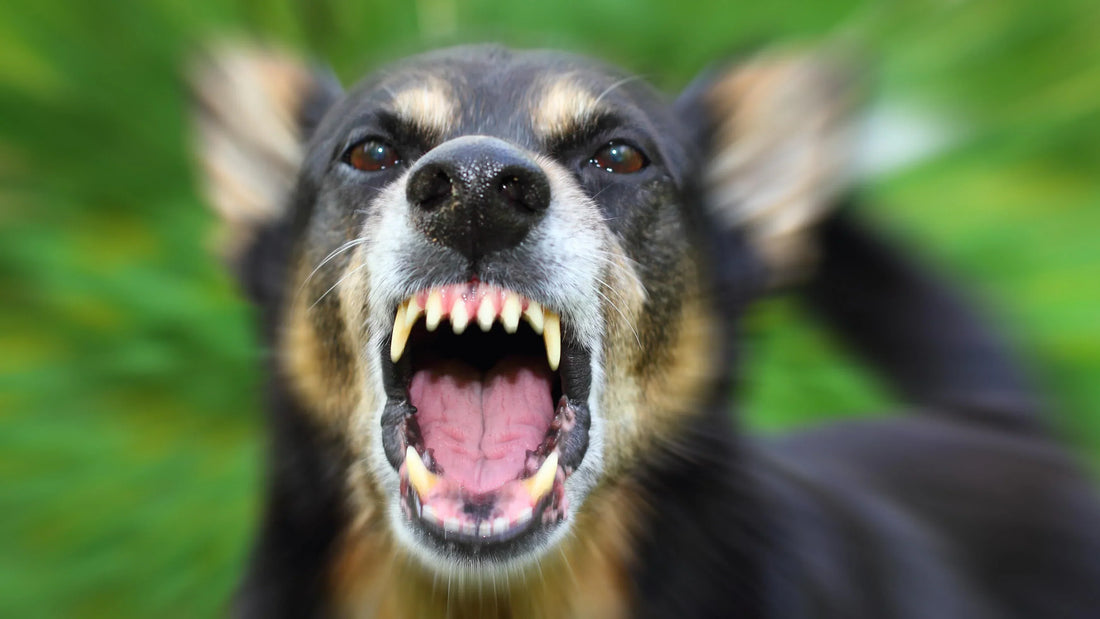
<point x="501" y="292"/>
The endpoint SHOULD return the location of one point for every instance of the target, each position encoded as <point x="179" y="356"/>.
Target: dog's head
<point x="483" y="275"/>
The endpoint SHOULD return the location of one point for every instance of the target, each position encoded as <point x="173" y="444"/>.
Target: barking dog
<point x="501" y="293"/>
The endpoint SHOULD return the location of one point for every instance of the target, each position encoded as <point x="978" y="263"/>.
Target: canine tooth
<point x="551" y="334"/>
<point x="459" y="316"/>
<point x="429" y="514"/>
<point x="543" y="480"/>
<point x="533" y="314"/>
<point x="500" y="525"/>
<point x="486" y="313"/>
<point x="420" y="477"/>
<point x="485" y="530"/>
<point x="400" y="337"/>
<point x="451" y="524"/>
<point x="524" y="516"/>
<point x="412" y="312"/>
<point x="434" y="310"/>
<point x="509" y="313"/>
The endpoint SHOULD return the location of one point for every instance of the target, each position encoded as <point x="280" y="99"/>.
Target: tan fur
<point x="428" y="105"/>
<point x="561" y="106"/>
<point x="317" y="354"/>
<point x="782" y="153"/>
<point x="653" y="386"/>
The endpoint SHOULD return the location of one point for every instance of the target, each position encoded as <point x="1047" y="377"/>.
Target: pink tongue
<point x="480" y="427"/>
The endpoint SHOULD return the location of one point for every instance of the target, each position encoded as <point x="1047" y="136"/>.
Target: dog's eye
<point x="619" y="158"/>
<point x="372" y="156"/>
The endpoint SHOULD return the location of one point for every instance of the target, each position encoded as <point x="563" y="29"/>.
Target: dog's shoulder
<point x="925" y="516"/>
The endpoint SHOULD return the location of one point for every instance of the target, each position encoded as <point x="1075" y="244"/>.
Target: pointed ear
<point x="253" y="109"/>
<point x="775" y="132"/>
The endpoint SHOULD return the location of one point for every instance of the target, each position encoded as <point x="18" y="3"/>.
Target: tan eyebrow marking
<point x="428" y="105"/>
<point x="562" y="106"/>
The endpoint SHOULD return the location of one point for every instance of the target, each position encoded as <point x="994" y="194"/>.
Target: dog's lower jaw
<point x="627" y="549"/>
<point x="587" y="575"/>
<point x="599" y="570"/>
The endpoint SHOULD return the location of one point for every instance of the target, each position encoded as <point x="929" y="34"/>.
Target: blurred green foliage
<point x="131" y="437"/>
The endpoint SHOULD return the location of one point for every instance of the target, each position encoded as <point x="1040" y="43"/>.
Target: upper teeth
<point x="489" y="305"/>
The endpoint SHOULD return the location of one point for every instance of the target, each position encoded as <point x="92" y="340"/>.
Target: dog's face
<point x="493" y="298"/>
<point x="496" y="240"/>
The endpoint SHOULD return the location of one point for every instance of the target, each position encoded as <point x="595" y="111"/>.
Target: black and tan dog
<point x="501" y="292"/>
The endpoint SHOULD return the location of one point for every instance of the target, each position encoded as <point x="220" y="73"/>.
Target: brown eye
<point x="619" y="158"/>
<point x="372" y="156"/>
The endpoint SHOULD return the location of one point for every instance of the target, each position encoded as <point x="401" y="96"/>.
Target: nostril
<point x="438" y="188"/>
<point x="429" y="188"/>
<point x="512" y="189"/>
<point x="524" y="188"/>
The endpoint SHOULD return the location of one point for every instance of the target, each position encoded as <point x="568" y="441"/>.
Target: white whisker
<point x="338" y="282"/>
<point x="332" y="255"/>
<point x="618" y="310"/>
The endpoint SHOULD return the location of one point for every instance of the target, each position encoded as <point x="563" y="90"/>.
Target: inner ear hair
<point x="780" y="150"/>
<point x="252" y="110"/>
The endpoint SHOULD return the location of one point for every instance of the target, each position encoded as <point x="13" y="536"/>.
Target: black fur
<point x="303" y="517"/>
<point x="933" y="347"/>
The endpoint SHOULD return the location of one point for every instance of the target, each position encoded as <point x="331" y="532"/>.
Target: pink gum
<point x="472" y="294"/>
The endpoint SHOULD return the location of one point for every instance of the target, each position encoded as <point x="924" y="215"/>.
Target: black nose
<point x="477" y="194"/>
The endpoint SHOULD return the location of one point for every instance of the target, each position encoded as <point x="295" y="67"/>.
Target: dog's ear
<point x="253" y="110"/>
<point x="775" y="131"/>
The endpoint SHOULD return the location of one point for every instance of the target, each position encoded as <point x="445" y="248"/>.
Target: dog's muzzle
<point x="487" y="383"/>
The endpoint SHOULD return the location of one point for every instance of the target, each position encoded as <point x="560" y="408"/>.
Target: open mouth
<point x="486" y="415"/>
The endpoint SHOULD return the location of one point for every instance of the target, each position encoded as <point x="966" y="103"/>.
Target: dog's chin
<point x="478" y="561"/>
<point x="485" y="426"/>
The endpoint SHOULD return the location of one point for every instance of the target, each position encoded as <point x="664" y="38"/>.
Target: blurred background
<point x="131" y="437"/>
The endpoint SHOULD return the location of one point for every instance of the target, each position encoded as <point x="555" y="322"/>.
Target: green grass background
<point x="130" y="437"/>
